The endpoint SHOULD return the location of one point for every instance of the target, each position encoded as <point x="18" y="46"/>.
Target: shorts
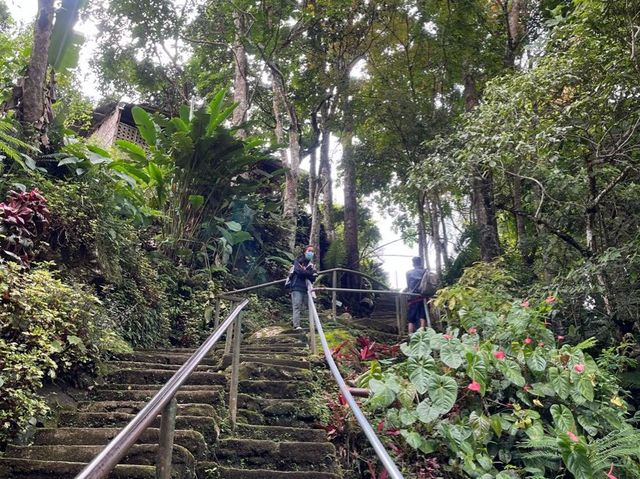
<point x="416" y="312"/>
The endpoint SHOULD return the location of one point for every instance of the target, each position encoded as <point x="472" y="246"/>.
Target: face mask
<point x="308" y="255"/>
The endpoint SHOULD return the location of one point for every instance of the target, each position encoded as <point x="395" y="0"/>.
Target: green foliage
<point x="504" y="380"/>
<point x="48" y="329"/>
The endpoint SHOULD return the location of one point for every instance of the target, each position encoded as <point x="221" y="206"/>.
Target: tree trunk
<point x="240" y="84"/>
<point x="327" y="185"/>
<point x="33" y="108"/>
<point x="350" y="199"/>
<point x="482" y="200"/>
<point x="314" y="189"/>
<point x="524" y="244"/>
<point x="423" y="247"/>
<point x="435" y="235"/>
<point x="445" y="235"/>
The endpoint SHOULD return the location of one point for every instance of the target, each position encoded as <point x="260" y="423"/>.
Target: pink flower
<point x="550" y="299"/>
<point x="474" y="386"/>
<point x="499" y="355"/>
<point x="541" y="344"/>
<point x="525" y="303"/>
<point x="448" y="337"/>
<point x="473" y="331"/>
<point x="610" y="473"/>
<point x="572" y="436"/>
<point x="526" y="387"/>
<point x="560" y="338"/>
<point x="528" y="340"/>
<point x="578" y="368"/>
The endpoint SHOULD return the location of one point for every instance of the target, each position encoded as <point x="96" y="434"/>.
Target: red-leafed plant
<point x="24" y="217"/>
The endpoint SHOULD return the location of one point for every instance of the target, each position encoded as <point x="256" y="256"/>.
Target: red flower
<point x="572" y="436"/>
<point x="578" y="368"/>
<point x="550" y="299"/>
<point x="473" y="331"/>
<point x="528" y="340"/>
<point x="499" y="355"/>
<point x="525" y="303"/>
<point x="610" y="473"/>
<point x="448" y="337"/>
<point x="474" y="386"/>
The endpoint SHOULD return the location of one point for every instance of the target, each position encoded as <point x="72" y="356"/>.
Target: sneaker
<point x="298" y="328"/>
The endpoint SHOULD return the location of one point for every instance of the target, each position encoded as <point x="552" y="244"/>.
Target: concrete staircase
<point x="382" y="325"/>
<point x="277" y="435"/>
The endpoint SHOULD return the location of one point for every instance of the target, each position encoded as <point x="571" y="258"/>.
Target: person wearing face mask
<point x="302" y="270"/>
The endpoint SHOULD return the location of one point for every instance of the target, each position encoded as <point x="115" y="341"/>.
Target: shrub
<point x="48" y="329"/>
<point x="502" y="396"/>
<point x="23" y="218"/>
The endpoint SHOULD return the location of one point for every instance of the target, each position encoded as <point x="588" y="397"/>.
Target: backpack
<point x="428" y="284"/>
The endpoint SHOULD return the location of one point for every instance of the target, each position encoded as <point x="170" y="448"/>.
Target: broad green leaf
<point x="443" y="391"/>
<point x="135" y="151"/>
<point x="562" y="418"/>
<point x="233" y="225"/>
<point x="560" y="382"/>
<point x="382" y="395"/>
<point x="536" y="361"/>
<point x="427" y="413"/>
<point x="585" y="387"/>
<point x="420" y="369"/>
<point x="480" y="424"/>
<point x="419" y="345"/>
<point x="407" y="395"/>
<point x="65" y="43"/>
<point x="145" y="125"/>
<point x="408" y="416"/>
<point x="535" y="432"/>
<point x="511" y="371"/>
<point x="451" y="354"/>
<point x="413" y="438"/>
<point x="476" y="369"/>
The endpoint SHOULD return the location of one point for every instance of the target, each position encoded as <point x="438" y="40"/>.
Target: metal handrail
<point x="164" y="400"/>
<point x="374" y="440"/>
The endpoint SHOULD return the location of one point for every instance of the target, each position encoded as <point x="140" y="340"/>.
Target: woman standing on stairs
<point x="302" y="270"/>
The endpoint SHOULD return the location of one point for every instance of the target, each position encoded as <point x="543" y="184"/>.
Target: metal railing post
<point x="229" y="336"/>
<point x="167" y="432"/>
<point x="403" y="315"/>
<point x="216" y="314"/>
<point x="312" y="326"/>
<point x="398" y="321"/>
<point x="235" y="373"/>
<point x="334" y="284"/>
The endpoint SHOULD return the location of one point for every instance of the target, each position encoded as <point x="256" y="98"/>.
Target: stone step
<point x="280" y="433"/>
<point x="280" y="340"/>
<point x="279" y="456"/>
<point x="297" y="409"/>
<point x="161" y="376"/>
<point x="255" y="418"/>
<point x="193" y="441"/>
<point x="156" y="387"/>
<point x="134" y="407"/>
<point x="275" y="389"/>
<point x="204" y="425"/>
<point x="219" y="472"/>
<point x="275" y="359"/>
<point x="212" y="396"/>
<point x="257" y="370"/>
<point x="151" y="356"/>
<point x="32" y="469"/>
<point x="141" y="454"/>
<point x="119" y="365"/>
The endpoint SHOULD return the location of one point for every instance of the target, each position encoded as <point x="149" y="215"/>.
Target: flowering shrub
<point x="23" y="218"/>
<point x="502" y="397"/>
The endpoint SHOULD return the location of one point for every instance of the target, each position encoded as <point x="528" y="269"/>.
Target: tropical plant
<point x="23" y="219"/>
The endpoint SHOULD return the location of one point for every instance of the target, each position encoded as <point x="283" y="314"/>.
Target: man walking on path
<point x="416" y="314"/>
<point x="303" y="270"/>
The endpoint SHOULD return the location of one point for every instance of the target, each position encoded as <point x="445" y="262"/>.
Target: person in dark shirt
<point x="303" y="270"/>
<point x="416" y="314"/>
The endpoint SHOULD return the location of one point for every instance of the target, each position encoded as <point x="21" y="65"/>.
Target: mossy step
<point x="161" y="357"/>
<point x="117" y="365"/>
<point x="257" y="370"/>
<point x="291" y="341"/>
<point x="265" y="454"/>
<point x="275" y="389"/>
<point x="193" y="441"/>
<point x="214" y="471"/>
<point x="275" y="359"/>
<point x="280" y="433"/>
<point x="252" y="417"/>
<point x="134" y="407"/>
<point x="156" y="387"/>
<point x="141" y="454"/>
<point x="161" y="376"/>
<point x="276" y="348"/>
<point x="291" y="408"/>
<point x="213" y="396"/>
<point x="205" y="425"/>
<point x="32" y="469"/>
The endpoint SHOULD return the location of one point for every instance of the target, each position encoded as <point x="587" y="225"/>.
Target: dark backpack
<point x="428" y="284"/>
